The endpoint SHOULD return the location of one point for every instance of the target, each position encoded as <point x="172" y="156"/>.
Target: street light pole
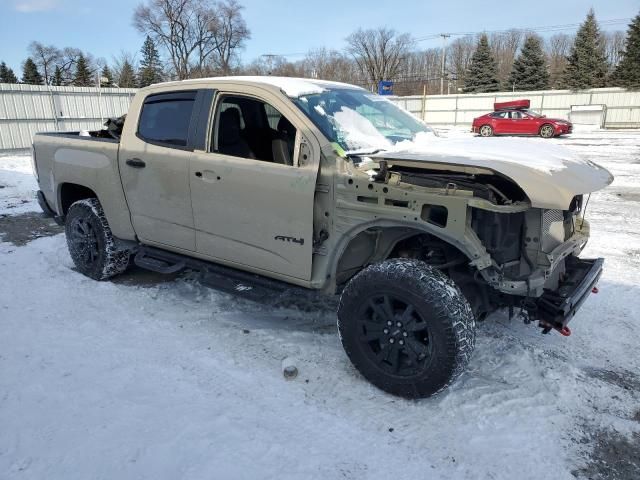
<point x="444" y="55"/>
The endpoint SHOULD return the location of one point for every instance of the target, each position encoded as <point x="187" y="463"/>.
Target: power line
<point x="539" y="29"/>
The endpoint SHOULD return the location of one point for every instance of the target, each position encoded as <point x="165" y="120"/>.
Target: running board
<point x="248" y="285"/>
<point x="158" y="263"/>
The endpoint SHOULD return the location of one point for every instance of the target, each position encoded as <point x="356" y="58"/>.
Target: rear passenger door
<point x="154" y="166"/>
<point x="518" y="122"/>
<point x="253" y="187"/>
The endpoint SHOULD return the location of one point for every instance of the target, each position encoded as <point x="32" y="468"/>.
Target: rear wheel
<point x="486" y="131"/>
<point x="547" y="131"/>
<point x="406" y="327"/>
<point x="91" y="244"/>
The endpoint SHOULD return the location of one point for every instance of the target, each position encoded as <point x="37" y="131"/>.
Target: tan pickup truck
<point x="279" y="183"/>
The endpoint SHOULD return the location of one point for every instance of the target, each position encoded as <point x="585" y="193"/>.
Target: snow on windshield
<point x="359" y="132"/>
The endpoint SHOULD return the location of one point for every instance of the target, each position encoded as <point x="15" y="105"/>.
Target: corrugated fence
<point x="27" y="109"/>
<point x="621" y="108"/>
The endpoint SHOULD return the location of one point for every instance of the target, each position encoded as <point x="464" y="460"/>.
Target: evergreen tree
<point x="529" y="71"/>
<point x="30" y="73"/>
<point x="82" y="78"/>
<point x="127" y="78"/>
<point x="6" y="74"/>
<point x="150" y="66"/>
<point x="106" y="79"/>
<point x="483" y="71"/>
<point x="57" y="81"/>
<point x="587" y="63"/>
<point x="627" y="73"/>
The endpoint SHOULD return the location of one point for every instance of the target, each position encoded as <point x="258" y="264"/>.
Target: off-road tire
<point x="438" y="304"/>
<point x="486" y="131"/>
<point x="545" y="129"/>
<point x="91" y="244"/>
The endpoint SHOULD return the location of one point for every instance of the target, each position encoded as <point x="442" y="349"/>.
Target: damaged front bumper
<point x="555" y="308"/>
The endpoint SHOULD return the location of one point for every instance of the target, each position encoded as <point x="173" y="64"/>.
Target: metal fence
<point x="27" y="109"/>
<point x="621" y="108"/>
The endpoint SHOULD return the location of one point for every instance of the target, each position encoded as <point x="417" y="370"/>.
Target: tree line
<point x="197" y="38"/>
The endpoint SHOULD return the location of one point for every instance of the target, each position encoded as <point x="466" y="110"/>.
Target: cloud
<point x="30" y="6"/>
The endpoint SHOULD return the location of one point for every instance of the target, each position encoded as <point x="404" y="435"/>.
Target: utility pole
<point x="444" y="55"/>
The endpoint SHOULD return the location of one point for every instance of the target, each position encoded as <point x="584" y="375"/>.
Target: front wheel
<point x="406" y="327"/>
<point x="91" y="244"/>
<point x="547" y="131"/>
<point x="486" y="131"/>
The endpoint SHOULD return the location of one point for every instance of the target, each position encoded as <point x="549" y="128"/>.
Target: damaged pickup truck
<point x="279" y="183"/>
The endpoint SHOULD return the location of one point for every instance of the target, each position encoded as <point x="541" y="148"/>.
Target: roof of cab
<point x="292" y="87"/>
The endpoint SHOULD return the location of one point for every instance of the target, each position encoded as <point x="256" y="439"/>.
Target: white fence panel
<point x="27" y="109"/>
<point x="622" y="106"/>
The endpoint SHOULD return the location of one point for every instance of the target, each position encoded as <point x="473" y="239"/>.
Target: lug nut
<point x="401" y="342"/>
<point x="386" y="330"/>
<point x="399" y="324"/>
<point x="404" y="334"/>
<point x="391" y="340"/>
<point x="389" y="323"/>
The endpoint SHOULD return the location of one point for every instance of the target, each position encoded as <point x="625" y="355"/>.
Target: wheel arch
<point x="375" y="241"/>
<point x="68" y="193"/>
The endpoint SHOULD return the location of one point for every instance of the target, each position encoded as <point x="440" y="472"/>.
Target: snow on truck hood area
<point x="158" y="377"/>
<point x="549" y="173"/>
<point x="538" y="154"/>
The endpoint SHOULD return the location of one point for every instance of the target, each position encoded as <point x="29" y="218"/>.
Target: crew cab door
<point x="154" y="166"/>
<point x="253" y="188"/>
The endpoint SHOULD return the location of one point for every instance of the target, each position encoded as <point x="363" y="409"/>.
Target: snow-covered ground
<point x="147" y="377"/>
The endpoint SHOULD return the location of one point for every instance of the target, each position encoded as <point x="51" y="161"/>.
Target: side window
<point x="250" y="128"/>
<point x="273" y="116"/>
<point x="516" y="115"/>
<point x="165" y="118"/>
<point x="498" y="114"/>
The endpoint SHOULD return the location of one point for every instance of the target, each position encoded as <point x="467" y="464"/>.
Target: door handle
<point x="198" y="174"/>
<point x="135" y="163"/>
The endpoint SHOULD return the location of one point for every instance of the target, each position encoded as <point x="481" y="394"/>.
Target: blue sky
<point x="103" y="27"/>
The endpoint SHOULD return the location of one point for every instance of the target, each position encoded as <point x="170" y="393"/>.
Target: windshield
<point x="358" y="120"/>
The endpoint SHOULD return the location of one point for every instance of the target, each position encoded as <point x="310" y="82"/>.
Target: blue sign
<point x="385" y="87"/>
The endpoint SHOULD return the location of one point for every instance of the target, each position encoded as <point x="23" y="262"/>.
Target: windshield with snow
<point x="358" y="120"/>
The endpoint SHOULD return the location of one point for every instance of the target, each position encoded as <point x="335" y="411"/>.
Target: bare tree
<point x="198" y="35"/>
<point x="230" y="32"/>
<point x="46" y="57"/>
<point x="379" y="52"/>
<point x="614" y="43"/>
<point x="329" y="65"/>
<point x="460" y="53"/>
<point x="505" y="46"/>
<point x="558" y="48"/>
<point x="171" y="23"/>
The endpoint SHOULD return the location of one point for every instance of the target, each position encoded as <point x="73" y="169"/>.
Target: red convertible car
<point x="515" y="118"/>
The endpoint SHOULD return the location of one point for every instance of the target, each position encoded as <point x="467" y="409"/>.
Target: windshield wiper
<point x="364" y="151"/>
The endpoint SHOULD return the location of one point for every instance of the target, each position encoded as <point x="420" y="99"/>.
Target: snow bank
<point x="18" y="186"/>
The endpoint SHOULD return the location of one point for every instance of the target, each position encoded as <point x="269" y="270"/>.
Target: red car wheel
<point x="547" y="131"/>
<point x="486" y="131"/>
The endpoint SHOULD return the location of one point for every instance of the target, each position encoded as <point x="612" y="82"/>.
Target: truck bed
<point x="70" y="158"/>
